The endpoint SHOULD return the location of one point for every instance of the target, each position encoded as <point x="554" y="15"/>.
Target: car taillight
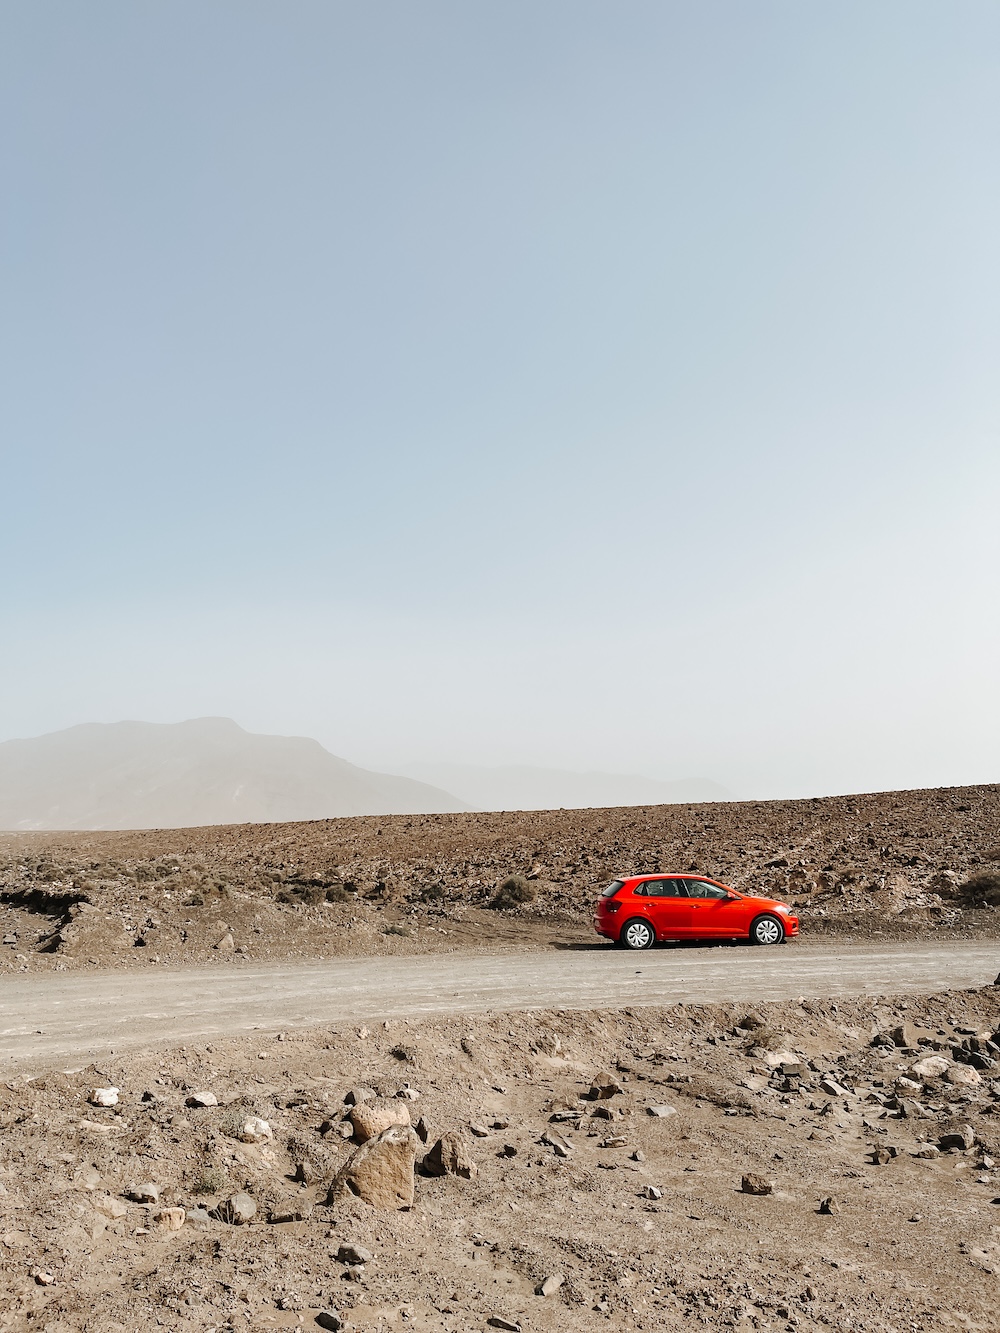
<point x="612" y="906"/>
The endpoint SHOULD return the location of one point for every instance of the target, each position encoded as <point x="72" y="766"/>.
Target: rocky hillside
<point x="892" y="863"/>
<point x="801" y="1165"/>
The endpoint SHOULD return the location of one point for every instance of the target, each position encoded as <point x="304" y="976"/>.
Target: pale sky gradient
<point x="589" y="385"/>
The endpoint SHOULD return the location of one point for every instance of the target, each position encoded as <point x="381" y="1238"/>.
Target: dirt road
<point x="51" y="1020"/>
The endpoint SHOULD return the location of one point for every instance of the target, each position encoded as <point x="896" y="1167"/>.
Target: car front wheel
<point x="637" y="934"/>
<point x="767" y="930"/>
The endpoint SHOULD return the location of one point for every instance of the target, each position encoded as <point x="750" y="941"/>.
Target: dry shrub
<point x="514" y="891"/>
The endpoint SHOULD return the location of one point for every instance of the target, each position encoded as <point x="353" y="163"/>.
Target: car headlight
<point x="782" y="907"/>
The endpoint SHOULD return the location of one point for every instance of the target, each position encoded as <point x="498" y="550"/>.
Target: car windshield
<point x="612" y="888"/>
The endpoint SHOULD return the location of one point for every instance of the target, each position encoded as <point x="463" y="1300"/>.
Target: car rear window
<point x="613" y="888"/>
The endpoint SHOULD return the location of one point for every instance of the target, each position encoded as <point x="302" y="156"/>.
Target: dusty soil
<point x="671" y="1240"/>
<point x="898" y="865"/>
<point x="90" y="1014"/>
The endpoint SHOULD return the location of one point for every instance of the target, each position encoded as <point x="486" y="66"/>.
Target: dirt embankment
<point x="898" y="864"/>
<point x="799" y="1165"/>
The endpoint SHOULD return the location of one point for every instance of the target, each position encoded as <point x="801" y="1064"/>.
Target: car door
<point x="669" y="907"/>
<point x="713" y="911"/>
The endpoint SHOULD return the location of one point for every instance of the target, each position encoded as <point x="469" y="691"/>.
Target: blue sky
<point x="590" y="385"/>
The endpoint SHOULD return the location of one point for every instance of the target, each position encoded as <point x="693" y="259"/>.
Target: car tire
<point x="766" y="929"/>
<point x="637" y="934"/>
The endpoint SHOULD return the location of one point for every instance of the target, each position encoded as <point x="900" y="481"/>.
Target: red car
<point x="637" y="911"/>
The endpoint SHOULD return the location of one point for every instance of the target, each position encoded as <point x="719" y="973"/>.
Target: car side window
<point x="697" y="888"/>
<point x="665" y="888"/>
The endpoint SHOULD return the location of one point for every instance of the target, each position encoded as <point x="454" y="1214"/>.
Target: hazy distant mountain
<point x="524" y="788"/>
<point x="125" y="775"/>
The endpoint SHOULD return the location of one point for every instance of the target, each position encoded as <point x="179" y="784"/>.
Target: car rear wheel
<point x="767" y="930"/>
<point x="637" y="934"/>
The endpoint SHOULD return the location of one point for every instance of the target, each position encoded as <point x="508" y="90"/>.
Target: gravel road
<point x="53" y="1020"/>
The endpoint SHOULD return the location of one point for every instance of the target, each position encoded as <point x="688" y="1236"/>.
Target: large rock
<point x="604" y="1084"/>
<point x="963" y="1076"/>
<point x="370" y="1118"/>
<point x="381" y="1171"/>
<point x="450" y="1156"/>
<point x="931" y="1066"/>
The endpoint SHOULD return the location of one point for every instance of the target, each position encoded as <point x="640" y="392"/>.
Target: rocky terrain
<point x="802" y="1165"/>
<point x="897" y="864"/>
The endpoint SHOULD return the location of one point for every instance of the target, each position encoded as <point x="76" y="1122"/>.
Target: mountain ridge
<point x="203" y="771"/>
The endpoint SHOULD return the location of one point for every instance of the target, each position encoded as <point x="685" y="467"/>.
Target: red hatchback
<point x="637" y="911"/>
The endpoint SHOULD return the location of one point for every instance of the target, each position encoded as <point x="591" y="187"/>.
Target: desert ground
<point x="746" y="1162"/>
<point x="897" y="865"/>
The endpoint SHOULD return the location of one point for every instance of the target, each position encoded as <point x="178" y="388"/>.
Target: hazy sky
<point x="607" y="385"/>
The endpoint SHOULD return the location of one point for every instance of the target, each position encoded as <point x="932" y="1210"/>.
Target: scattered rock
<point x="931" y="1066"/>
<point x="604" y="1085"/>
<point x="755" y="1184"/>
<point x="358" y="1095"/>
<point x="371" y="1117"/>
<point x="171" y="1219"/>
<point x="832" y="1088"/>
<point x="550" y="1285"/>
<point x="327" y="1319"/>
<point x="147" y="1192"/>
<point x="963" y="1076"/>
<point x="354" y="1254"/>
<point x="450" y="1156"/>
<point x="110" y="1206"/>
<point x="963" y="1137"/>
<point x="829" y="1205"/>
<point x="236" y="1211"/>
<point x="255" y="1130"/>
<point x="501" y="1321"/>
<point x="201" y="1099"/>
<point x="661" y="1111"/>
<point x="381" y="1171"/>
<point x="422" y="1129"/>
<point x="103" y="1097"/>
<point x="480" y="1131"/>
<point x="905" y="1035"/>
<point x="653" y="1192"/>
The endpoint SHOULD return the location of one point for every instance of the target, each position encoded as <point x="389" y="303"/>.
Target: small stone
<point x="932" y="1066"/>
<point x="604" y="1085"/>
<point x="661" y="1111"/>
<point x="147" y="1192"/>
<point x="829" y="1205"/>
<point x="638" y="1155"/>
<point x="962" y="1138"/>
<point x="509" y="1150"/>
<point x="201" y="1099"/>
<point x="450" y="1156"/>
<point x="327" y="1319"/>
<point x="198" y="1217"/>
<point x="236" y="1211"/>
<point x="358" y="1095"/>
<point x="501" y="1321"/>
<point x="905" y="1035"/>
<point x="480" y="1131"/>
<point x="255" y="1130"/>
<point x="653" y="1192"/>
<point x="43" y="1277"/>
<point x="550" y="1285"/>
<point x="171" y="1219"/>
<point x="560" y="1146"/>
<point x="354" y="1254"/>
<point x="422" y="1129"/>
<point x="963" y="1076"/>
<point x="103" y="1097"/>
<point x="110" y="1206"/>
<point x="372" y="1117"/>
<point x="755" y="1184"/>
<point x="928" y="1152"/>
<point x="88" y="1177"/>
<point x="832" y="1088"/>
